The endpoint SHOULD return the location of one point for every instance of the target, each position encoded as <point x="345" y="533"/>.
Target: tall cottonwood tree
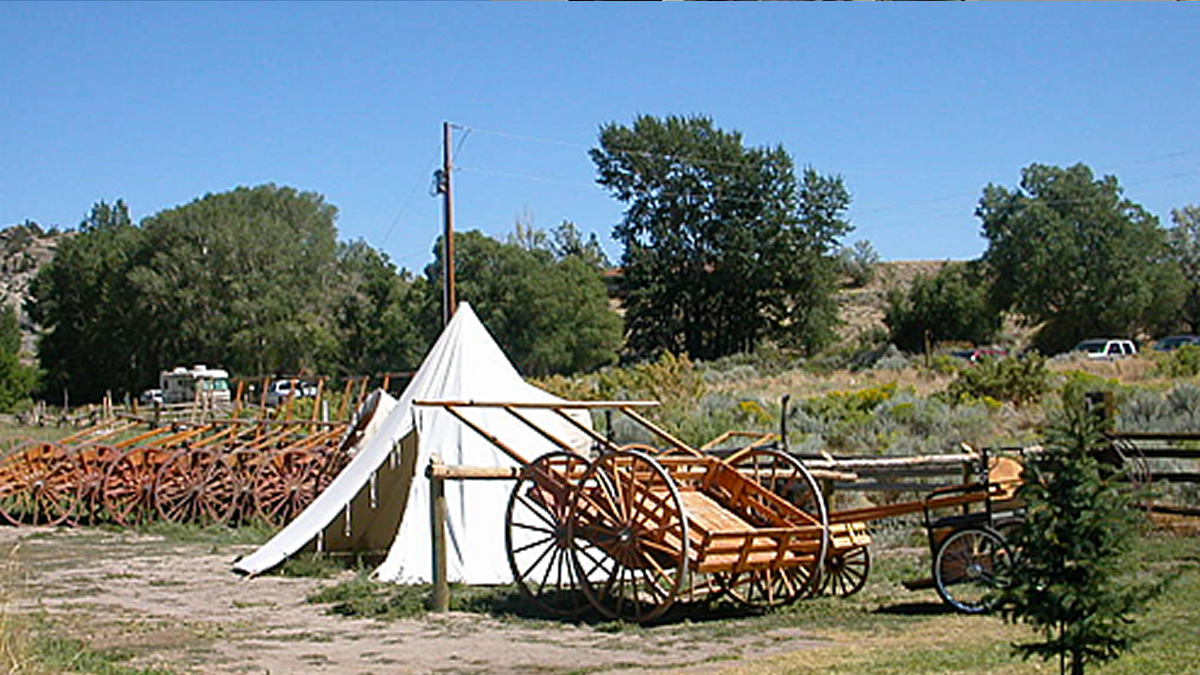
<point x="723" y="247"/>
<point x="1184" y="238"/>
<point x="241" y="278"/>
<point x="1068" y="250"/>
<point x="548" y="312"/>
<point x="88" y="309"/>
<point x="252" y="280"/>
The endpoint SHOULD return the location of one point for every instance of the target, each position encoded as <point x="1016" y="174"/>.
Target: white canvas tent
<point x="380" y="501"/>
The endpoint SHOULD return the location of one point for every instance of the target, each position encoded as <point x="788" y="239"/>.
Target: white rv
<point x="199" y="384"/>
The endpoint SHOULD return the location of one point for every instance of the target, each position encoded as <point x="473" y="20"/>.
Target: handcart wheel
<point x="128" y="490"/>
<point x="535" y="534"/>
<point x="243" y="467"/>
<point x="629" y="536"/>
<point x="846" y="572"/>
<point x="39" y="486"/>
<point x="785" y="477"/>
<point x="970" y="564"/>
<point x="194" y="486"/>
<point x="285" y="485"/>
<point x="91" y="465"/>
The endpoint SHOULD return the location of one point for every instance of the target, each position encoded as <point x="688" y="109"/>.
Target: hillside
<point x="26" y="248"/>
<point x="862" y="309"/>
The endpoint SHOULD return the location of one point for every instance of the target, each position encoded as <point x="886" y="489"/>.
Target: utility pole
<point x="449" y="302"/>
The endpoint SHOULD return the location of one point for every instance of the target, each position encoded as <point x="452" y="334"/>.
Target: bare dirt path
<point x="178" y="605"/>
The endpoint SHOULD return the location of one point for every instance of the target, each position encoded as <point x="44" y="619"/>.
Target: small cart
<point x="635" y="529"/>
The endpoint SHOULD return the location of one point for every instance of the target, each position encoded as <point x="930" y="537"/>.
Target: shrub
<point x="1018" y="381"/>
<point x="1182" y="362"/>
<point x="951" y="305"/>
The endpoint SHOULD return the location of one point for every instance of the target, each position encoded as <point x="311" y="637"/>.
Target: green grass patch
<point x="53" y="654"/>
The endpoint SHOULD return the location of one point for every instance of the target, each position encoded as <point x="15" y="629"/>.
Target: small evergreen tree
<point x="1080" y="525"/>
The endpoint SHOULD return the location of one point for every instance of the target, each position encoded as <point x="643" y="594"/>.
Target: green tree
<point x="566" y="241"/>
<point x="250" y="280"/>
<point x="1067" y="249"/>
<point x="378" y="314"/>
<point x="246" y="279"/>
<point x="722" y="246"/>
<point x="953" y="304"/>
<point x="1185" y="246"/>
<point x="858" y="263"/>
<point x="549" y="315"/>
<point x="88" y="311"/>
<point x="17" y="380"/>
<point x="1071" y="579"/>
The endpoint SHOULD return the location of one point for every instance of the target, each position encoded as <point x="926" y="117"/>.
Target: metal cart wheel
<point x="38" y="487"/>
<point x="194" y="486"/>
<point x="784" y="476"/>
<point x="846" y="572"/>
<point x="970" y="563"/>
<point x="535" y="534"/>
<point x="629" y="536"/>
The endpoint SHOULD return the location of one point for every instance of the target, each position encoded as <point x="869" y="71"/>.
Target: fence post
<point x="437" y="511"/>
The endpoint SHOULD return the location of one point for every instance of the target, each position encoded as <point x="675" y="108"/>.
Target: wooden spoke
<point x="628" y="533"/>
<point x="969" y="565"/>
<point x="846" y="572"/>
<point x="194" y="486"/>
<point x="792" y="578"/>
<point x="91" y="465"/>
<point x="243" y="471"/>
<point x="536" y="534"/>
<point x="286" y="484"/>
<point x="40" y="486"/>
<point x="128" y="491"/>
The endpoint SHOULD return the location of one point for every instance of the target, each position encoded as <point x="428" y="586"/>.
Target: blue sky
<point x="917" y="106"/>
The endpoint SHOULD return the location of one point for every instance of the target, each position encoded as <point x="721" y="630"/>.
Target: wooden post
<point x="449" y="301"/>
<point x="437" y="516"/>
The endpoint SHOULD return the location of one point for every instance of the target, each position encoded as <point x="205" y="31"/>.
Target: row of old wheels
<point x="45" y="485"/>
<point x="612" y="534"/>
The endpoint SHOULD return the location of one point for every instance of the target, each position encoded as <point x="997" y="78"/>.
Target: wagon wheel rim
<point x="40" y="489"/>
<point x="127" y="494"/>
<point x="629" y="537"/>
<point x="91" y="465"/>
<point x="969" y="566"/>
<point x="243" y="467"/>
<point x="194" y="486"/>
<point x="846" y="572"/>
<point x="535" y="534"/>
<point x="787" y="478"/>
<point x="285" y="485"/>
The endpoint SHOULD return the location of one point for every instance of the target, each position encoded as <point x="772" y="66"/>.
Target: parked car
<point x="979" y="354"/>
<point x="150" y="397"/>
<point x="1106" y="348"/>
<point x="1175" y="342"/>
<point x="280" y="390"/>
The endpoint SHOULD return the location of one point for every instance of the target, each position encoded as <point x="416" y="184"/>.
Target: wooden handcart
<point x="964" y="525"/>
<point x="631" y="529"/>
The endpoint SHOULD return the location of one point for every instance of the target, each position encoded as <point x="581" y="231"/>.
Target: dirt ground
<point x="178" y="605"/>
